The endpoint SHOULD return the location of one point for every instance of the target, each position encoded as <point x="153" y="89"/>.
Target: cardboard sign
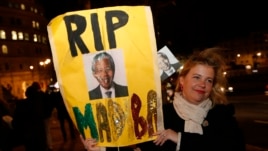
<point x="114" y="46"/>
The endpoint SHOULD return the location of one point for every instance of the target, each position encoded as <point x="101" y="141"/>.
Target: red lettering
<point x="138" y="120"/>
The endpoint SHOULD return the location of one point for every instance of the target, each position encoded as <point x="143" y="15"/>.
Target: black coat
<point x="221" y="133"/>
<point x="7" y="140"/>
<point x="28" y="122"/>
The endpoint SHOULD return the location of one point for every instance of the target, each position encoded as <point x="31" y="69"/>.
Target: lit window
<point x="22" y="6"/>
<point x="31" y="9"/>
<point x="35" y="10"/>
<point x="14" y="35"/>
<point x="44" y="40"/>
<point x="33" y="24"/>
<point x="4" y="49"/>
<point x="26" y="36"/>
<point x="37" y="25"/>
<point x="35" y="38"/>
<point x="20" y="35"/>
<point x="2" y="34"/>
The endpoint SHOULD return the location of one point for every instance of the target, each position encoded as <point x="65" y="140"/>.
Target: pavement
<point x="59" y="144"/>
<point x="254" y="148"/>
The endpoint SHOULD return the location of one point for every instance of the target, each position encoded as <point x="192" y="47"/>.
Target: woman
<point x="204" y="119"/>
<point x="200" y="117"/>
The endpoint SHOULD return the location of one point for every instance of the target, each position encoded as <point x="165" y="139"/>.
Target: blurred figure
<point x="49" y="106"/>
<point x="170" y="90"/>
<point x="29" y="119"/>
<point x="266" y="90"/>
<point x="6" y="132"/>
<point x="63" y="115"/>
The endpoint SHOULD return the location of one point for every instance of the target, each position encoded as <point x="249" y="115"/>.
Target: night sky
<point x="192" y="23"/>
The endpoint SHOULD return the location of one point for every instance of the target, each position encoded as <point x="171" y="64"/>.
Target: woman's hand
<point x="90" y="144"/>
<point x="164" y="135"/>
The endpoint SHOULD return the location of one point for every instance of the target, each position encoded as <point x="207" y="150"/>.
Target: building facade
<point x="25" y="54"/>
<point x="247" y="54"/>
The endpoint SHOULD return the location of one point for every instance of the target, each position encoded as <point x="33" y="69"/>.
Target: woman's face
<point x="197" y="84"/>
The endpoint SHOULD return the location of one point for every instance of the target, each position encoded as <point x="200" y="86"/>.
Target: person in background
<point x="63" y="116"/>
<point x="168" y="88"/>
<point x="200" y="117"/>
<point x="49" y="106"/>
<point x="103" y="69"/>
<point x="29" y="119"/>
<point x="170" y="91"/>
<point x="6" y="131"/>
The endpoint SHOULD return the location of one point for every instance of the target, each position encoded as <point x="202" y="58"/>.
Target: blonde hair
<point x="210" y="57"/>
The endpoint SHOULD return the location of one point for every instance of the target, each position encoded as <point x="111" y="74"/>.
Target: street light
<point x="41" y="63"/>
<point x="45" y="71"/>
<point x="31" y="67"/>
<point x="44" y="63"/>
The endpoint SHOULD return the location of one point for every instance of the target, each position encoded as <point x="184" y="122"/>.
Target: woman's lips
<point x="200" y="91"/>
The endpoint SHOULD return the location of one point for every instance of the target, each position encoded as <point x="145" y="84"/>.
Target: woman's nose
<point x="202" y="83"/>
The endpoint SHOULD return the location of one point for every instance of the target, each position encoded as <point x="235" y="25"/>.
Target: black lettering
<point x="111" y="27"/>
<point x="74" y="35"/>
<point x="96" y="31"/>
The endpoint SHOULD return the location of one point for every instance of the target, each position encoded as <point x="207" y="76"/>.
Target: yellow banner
<point x="109" y="49"/>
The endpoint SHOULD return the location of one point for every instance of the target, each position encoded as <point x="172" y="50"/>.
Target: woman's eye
<point x="210" y="80"/>
<point x="196" y="77"/>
